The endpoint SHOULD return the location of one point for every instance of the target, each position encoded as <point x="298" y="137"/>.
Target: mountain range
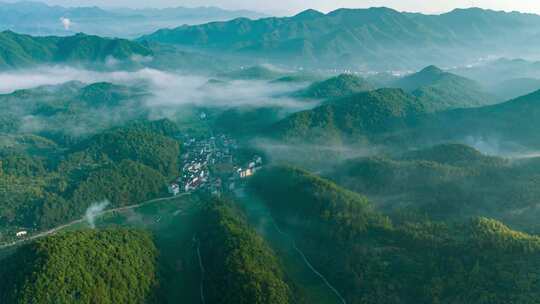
<point x="37" y="18"/>
<point x="374" y="38"/>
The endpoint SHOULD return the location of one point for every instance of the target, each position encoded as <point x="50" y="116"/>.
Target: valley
<point x="229" y="156"/>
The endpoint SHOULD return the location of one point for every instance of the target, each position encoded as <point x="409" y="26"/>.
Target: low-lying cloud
<point x="168" y="89"/>
<point x="315" y="157"/>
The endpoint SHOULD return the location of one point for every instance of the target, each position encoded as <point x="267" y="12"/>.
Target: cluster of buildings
<point x="209" y="164"/>
<point x="251" y="168"/>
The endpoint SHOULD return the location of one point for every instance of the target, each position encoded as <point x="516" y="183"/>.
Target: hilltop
<point x="19" y="51"/>
<point x="356" y="117"/>
<point x="440" y="90"/>
<point x="335" y="87"/>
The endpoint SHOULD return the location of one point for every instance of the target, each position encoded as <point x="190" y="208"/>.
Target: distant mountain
<point x="441" y="90"/>
<point x="515" y="87"/>
<point x="339" y="86"/>
<point x="375" y="38"/>
<point x="358" y="117"/>
<point x="36" y="18"/>
<point x="17" y="51"/>
<point x="492" y="73"/>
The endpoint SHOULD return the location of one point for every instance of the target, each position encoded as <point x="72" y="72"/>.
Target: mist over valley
<point x="209" y="155"/>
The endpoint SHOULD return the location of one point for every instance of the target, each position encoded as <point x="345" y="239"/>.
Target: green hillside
<point x="392" y="116"/>
<point x="18" y="51"/>
<point x="441" y="90"/>
<point x="71" y="110"/>
<point x="240" y="267"/>
<point x="358" y="117"/>
<point x="109" y="266"/>
<point x="448" y="182"/>
<point x="514" y="121"/>
<point x="125" y="166"/>
<point x="335" y="87"/>
<point x="373" y="259"/>
<point x="449" y="154"/>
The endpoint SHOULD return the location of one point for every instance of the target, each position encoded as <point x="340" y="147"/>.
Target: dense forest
<point x="106" y="266"/>
<point x="20" y="51"/>
<point x="335" y="87"/>
<point x="375" y="259"/>
<point x="361" y="117"/>
<point x="125" y="165"/>
<point x="239" y="265"/>
<point x="448" y="182"/>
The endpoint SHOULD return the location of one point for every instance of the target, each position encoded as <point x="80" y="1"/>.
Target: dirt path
<point x="109" y="211"/>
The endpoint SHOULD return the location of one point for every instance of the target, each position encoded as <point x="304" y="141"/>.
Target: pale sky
<point x="294" y="6"/>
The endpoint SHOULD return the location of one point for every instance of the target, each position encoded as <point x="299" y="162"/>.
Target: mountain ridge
<point x="360" y="37"/>
<point x="19" y="50"/>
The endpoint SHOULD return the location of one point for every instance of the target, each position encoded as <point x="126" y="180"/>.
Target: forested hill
<point x="514" y="121"/>
<point x="440" y="90"/>
<point x="335" y="87"/>
<point x="109" y="266"/>
<point x="386" y="115"/>
<point x="72" y="110"/>
<point x="240" y="266"/>
<point x="126" y="166"/>
<point x="17" y="51"/>
<point x="371" y="258"/>
<point x="374" y="37"/>
<point x="358" y="117"/>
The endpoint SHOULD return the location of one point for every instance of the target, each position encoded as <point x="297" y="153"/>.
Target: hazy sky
<point x="293" y="6"/>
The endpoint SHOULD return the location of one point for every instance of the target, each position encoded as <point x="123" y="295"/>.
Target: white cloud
<point x="66" y="22"/>
<point x="168" y="89"/>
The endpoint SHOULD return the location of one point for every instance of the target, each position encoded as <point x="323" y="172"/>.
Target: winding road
<point x="201" y="267"/>
<point x="306" y="261"/>
<point x="83" y="219"/>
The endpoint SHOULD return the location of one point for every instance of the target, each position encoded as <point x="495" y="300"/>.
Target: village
<point x="210" y="164"/>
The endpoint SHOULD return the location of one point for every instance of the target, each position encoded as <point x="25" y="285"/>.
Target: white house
<point x="22" y="233"/>
<point x="174" y="189"/>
